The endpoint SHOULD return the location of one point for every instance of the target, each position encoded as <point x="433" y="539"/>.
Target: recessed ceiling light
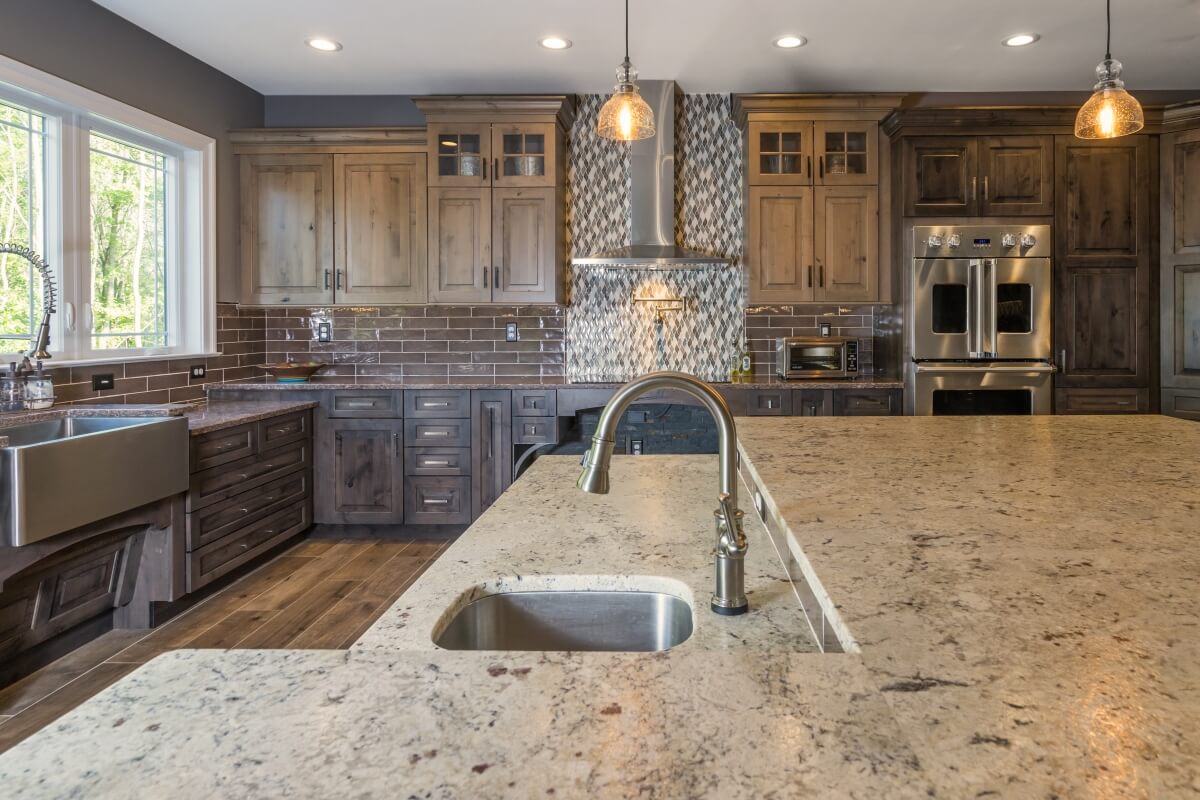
<point x="1021" y="39"/>
<point x="789" y="42"/>
<point x="555" y="43"/>
<point x="323" y="44"/>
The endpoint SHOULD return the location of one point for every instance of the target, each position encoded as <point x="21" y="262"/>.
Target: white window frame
<point x="72" y="112"/>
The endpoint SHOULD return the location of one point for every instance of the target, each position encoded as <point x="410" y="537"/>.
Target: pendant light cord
<point x="626" y="30"/>
<point x="1107" y="29"/>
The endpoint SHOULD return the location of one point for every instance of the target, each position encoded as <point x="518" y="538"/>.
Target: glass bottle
<point x="39" y="390"/>
<point x="10" y="390"/>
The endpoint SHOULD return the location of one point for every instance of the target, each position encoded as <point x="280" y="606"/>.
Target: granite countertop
<point x="1017" y="598"/>
<point x="1023" y="590"/>
<point x="12" y="418"/>
<point x="368" y="383"/>
<point x="219" y="414"/>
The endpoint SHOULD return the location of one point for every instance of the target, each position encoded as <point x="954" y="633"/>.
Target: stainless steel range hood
<point x="652" y="198"/>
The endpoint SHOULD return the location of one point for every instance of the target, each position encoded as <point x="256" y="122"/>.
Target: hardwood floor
<point x="320" y="594"/>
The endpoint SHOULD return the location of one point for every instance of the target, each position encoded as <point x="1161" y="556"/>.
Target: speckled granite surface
<point x="12" y="418"/>
<point x="220" y="414"/>
<point x="341" y="384"/>
<point x="1025" y="591"/>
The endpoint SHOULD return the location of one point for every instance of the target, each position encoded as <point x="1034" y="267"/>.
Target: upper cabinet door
<point x="1103" y="201"/>
<point x="1017" y="173"/>
<point x="460" y="248"/>
<point x="524" y="154"/>
<point x="381" y="229"/>
<point x="780" y="154"/>
<point x="524" y="242"/>
<point x="287" y="229"/>
<point x="847" y="244"/>
<point x="779" y="247"/>
<point x="460" y="155"/>
<point x="939" y="176"/>
<point x="847" y="153"/>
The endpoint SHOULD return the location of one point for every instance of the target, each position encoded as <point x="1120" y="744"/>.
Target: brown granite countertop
<point x="220" y="414"/>
<point x="341" y="384"/>
<point x="13" y="418"/>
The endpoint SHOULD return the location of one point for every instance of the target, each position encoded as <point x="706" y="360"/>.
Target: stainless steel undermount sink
<point x="59" y="474"/>
<point x="612" y="621"/>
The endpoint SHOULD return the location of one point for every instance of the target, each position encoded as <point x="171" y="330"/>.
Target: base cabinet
<point x="491" y="447"/>
<point x="362" y="472"/>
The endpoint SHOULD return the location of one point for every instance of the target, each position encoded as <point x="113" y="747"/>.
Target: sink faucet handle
<point x="733" y="537"/>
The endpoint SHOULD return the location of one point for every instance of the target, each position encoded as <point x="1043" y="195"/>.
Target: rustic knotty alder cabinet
<point x="813" y="167"/>
<point x="967" y="176"/>
<point x="497" y="208"/>
<point x="333" y="216"/>
<point x="1180" y="253"/>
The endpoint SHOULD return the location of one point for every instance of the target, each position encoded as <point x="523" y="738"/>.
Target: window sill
<point x="55" y="363"/>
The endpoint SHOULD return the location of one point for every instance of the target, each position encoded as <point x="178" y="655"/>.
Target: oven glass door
<point x="1021" y="308"/>
<point x="816" y="359"/>
<point x="942" y="299"/>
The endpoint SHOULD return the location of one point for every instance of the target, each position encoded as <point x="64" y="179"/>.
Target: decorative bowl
<point x="292" y="371"/>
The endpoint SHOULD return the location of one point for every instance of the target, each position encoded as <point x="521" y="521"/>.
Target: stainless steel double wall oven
<point x="979" y="311"/>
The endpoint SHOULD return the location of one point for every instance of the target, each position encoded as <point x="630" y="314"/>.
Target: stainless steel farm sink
<point x="570" y="620"/>
<point x="59" y="474"/>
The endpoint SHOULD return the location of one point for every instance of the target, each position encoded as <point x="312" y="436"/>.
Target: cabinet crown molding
<point x="254" y="140"/>
<point x="558" y="108"/>
<point x="841" y="106"/>
<point x="969" y="120"/>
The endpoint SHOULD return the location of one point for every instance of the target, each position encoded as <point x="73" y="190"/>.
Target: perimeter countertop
<point x="1017" y="597"/>
<point x="216" y="415"/>
<point x="341" y="384"/>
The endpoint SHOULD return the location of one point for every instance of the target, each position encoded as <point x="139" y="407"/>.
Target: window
<point x="22" y="220"/>
<point x="120" y="204"/>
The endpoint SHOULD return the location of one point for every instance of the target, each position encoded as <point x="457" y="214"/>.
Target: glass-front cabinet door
<point x="847" y="153"/>
<point x="781" y="154"/>
<point x="524" y="154"/>
<point x="460" y="155"/>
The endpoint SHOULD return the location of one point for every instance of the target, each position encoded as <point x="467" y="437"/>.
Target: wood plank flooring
<point x="320" y="594"/>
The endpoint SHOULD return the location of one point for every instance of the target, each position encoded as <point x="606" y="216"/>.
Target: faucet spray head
<point x="594" y="478"/>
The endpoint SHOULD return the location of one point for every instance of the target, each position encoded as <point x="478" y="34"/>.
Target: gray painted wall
<point x="88" y="45"/>
<point x="340" y="111"/>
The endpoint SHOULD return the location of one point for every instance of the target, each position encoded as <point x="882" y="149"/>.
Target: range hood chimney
<point x="652" y="198"/>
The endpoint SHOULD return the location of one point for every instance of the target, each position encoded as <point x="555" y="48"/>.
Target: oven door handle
<point x="1039" y="367"/>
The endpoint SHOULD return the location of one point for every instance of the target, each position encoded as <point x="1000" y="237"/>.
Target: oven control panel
<point x="981" y="241"/>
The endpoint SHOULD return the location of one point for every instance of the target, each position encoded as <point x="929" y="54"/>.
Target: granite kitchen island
<point x="1016" y="600"/>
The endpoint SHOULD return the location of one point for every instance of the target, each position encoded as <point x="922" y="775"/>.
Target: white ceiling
<point x="438" y="46"/>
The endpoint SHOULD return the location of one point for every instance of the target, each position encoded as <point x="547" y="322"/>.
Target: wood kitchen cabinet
<point x="333" y="216"/>
<point x="287" y="203"/>
<point x="361" y="472"/>
<point x="491" y="447"/>
<point x="1102" y="306"/>
<point x="497" y="198"/>
<point x="965" y="176"/>
<point x="815" y="170"/>
<point x="1180" y="270"/>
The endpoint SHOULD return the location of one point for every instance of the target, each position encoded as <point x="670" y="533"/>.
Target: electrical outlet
<point x="635" y="447"/>
<point x="324" y="331"/>
<point x="102" y="381"/>
<point x="511" y="334"/>
<point x="826" y="329"/>
<point x="198" y="371"/>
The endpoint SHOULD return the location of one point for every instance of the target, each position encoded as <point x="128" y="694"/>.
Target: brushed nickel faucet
<point x="729" y="596"/>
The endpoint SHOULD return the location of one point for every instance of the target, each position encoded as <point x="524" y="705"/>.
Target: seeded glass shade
<point x="626" y="116"/>
<point x="1111" y="111"/>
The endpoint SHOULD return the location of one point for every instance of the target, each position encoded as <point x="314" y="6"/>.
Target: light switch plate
<point x="324" y="331"/>
<point x="826" y="329"/>
<point x="635" y="447"/>
<point x="511" y="334"/>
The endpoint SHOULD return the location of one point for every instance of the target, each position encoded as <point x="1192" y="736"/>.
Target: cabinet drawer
<point x="769" y="403"/>
<point x="534" y="430"/>
<point x="437" y="461"/>
<point x="221" y="447"/>
<point x="278" y="431"/>
<point x="534" y="402"/>
<point x="437" y="501"/>
<point x="220" y="483"/>
<point x="365" y="404"/>
<point x="1102" y="401"/>
<point x="427" y="403"/>
<point x="229" y="552"/>
<point x="867" y="402"/>
<point x="223" y="518"/>
<point x="812" y="402"/>
<point x="437" y="432"/>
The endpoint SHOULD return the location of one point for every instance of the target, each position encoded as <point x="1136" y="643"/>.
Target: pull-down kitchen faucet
<point x="729" y="596"/>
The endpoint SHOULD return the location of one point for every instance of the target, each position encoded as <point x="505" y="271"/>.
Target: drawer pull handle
<point x="431" y="463"/>
<point x="435" y="434"/>
<point x="432" y="404"/>
<point x="432" y="502"/>
<point x="244" y="510"/>
<point x="359" y="404"/>
<point x="228" y="446"/>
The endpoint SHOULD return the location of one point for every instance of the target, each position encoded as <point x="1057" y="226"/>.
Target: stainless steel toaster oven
<point x="816" y="357"/>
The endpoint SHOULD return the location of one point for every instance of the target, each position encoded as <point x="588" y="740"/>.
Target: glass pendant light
<point x="1111" y="111"/>
<point x="626" y="115"/>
